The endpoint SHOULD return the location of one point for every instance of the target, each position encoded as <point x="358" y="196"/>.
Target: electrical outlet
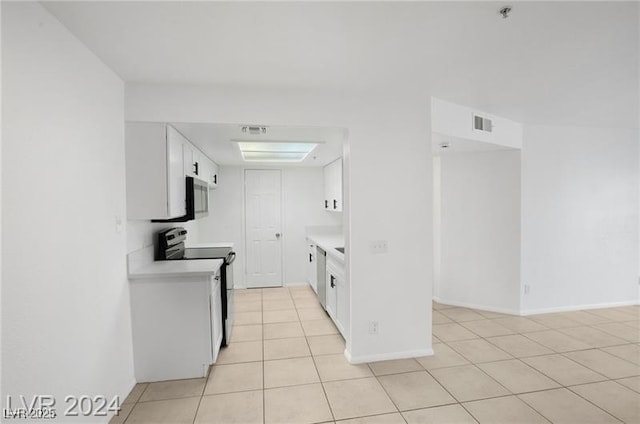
<point x="379" y="246"/>
<point x="373" y="327"/>
<point x="119" y="226"/>
<point x="527" y="289"/>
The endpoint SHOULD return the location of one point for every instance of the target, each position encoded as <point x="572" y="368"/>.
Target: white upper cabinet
<point x="157" y="159"/>
<point x="209" y="172"/>
<point x="197" y="165"/>
<point x="154" y="166"/>
<point x="213" y="175"/>
<point x="192" y="160"/>
<point x="333" y="186"/>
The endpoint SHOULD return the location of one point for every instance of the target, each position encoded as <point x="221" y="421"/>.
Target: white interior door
<point x="263" y="227"/>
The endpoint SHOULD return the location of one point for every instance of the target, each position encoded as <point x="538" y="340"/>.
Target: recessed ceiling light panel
<point x="274" y="151"/>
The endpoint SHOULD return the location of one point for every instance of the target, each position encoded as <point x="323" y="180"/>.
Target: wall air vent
<point x="482" y="124"/>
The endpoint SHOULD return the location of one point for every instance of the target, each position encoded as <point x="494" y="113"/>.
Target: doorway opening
<point x="477" y="200"/>
<point x="265" y="205"/>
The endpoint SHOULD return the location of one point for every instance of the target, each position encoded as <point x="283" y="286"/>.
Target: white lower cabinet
<point x="337" y="295"/>
<point x="332" y="294"/>
<point x="177" y="326"/>
<point x="342" y="307"/>
<point x="312" y="266"/>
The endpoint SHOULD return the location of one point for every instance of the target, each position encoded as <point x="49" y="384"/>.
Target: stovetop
<point x="206" y="252"/>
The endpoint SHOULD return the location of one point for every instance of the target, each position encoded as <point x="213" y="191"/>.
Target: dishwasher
<point x="321" y="261"/>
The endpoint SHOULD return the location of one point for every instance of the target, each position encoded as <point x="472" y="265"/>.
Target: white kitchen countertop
<point x="328" y="242"/>
<point x="186" y="268"/>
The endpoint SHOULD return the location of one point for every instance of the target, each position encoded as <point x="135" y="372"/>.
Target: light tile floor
<point x="286" y="365"/>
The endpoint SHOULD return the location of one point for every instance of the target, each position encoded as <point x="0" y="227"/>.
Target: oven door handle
<point x="230" y="258"/>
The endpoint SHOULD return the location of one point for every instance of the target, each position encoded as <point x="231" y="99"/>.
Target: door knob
<point x="278" y="235"/>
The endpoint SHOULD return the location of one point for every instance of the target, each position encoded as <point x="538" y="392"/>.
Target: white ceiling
<point x="461" y="145"/>
<point x="550" y="62"/>
<point x="217" y="141"/>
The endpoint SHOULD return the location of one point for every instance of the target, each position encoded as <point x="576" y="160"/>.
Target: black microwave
<point x="197" y="201"/>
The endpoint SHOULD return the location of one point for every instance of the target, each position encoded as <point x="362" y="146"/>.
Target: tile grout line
<point x="136" y="402"/>
<point x="597" y="406"/>
<point x="511" y="393"/>
<point x="554" y="353"/>
<point x="442" y="386"/>
<point x="264" y="401"/>
<point x="315" y="365"/>
<point x="385" y="391"/>
<point x="559" y="388"/>
<point x="591" y="369"/>
<point x="570" y="388"/>
<point x="195" y="416"/>
<point x="561" y="385"/>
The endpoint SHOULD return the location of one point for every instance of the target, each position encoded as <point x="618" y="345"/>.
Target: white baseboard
<point x="476" y="306"/>
<point x="302" y="283"/>
<point x="386" y="356"/>
<point x="527" y="312"/>
<point x="240" y="286"/>
<point x="572" y="308"/>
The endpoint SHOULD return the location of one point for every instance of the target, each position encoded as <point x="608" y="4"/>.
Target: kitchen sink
<point x="340" y="249"/>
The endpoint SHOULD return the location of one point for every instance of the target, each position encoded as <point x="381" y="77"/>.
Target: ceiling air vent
<point x="482" y="124"/>
<point x="254" y="129"/>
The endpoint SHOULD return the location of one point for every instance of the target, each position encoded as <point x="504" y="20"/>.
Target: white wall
<point x="457" y="121"/>
<point x="65" y="301"/>
<point x="389" y="153"/>
<point x="140" y="233"/>
<point x="437" y="225"/>
<point x="480" y="230"/>
<point x="302" y="195"/>
<point x="579" y="217"/>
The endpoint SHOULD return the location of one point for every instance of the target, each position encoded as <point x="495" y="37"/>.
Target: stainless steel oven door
<point x="230" y="306"/>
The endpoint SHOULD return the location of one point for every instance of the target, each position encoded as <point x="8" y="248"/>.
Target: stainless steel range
<point x="170" y="246"/>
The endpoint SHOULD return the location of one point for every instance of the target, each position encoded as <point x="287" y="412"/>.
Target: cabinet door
<point x="342" y="308"/>
<point x="327" y="186"/>
<point x="199" y="168"/>
<point x="209" y="171"/>
<point x="193" y="166"/>
<point x="312" y="267"/>
<point x="176" y="188"/>
<point x="333" y="186"/>
<point x="332" y="294"/>
<point x="337" y="185"/>
<point x="204" y="168"/>
<point x="213" y="175"/>
<point x="187" y="152"/>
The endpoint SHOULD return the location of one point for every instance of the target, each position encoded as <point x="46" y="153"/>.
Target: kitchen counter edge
<point x="177" y="269"/>
<point x="328" y="243"/>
